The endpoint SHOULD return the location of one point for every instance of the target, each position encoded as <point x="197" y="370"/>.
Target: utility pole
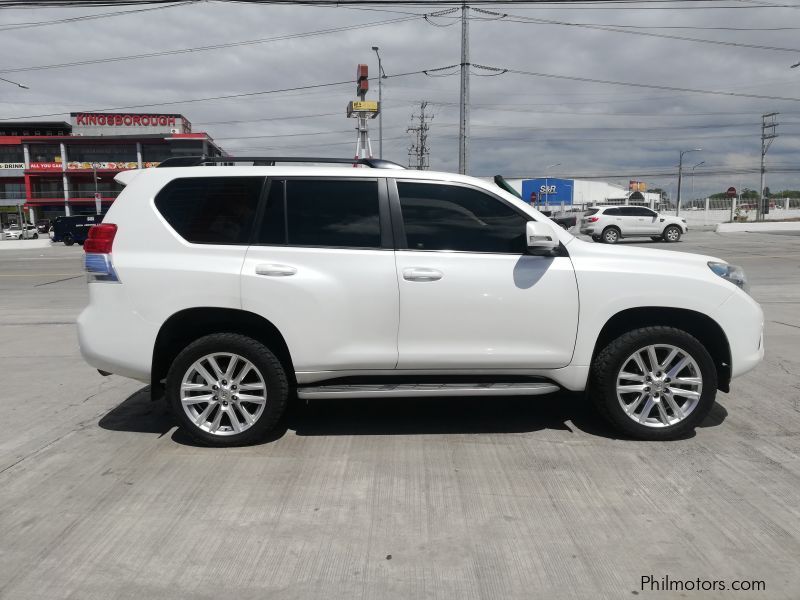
<point x="463" y="122"/>
<point x="680" y="174"/>
<point x="768" y="134"/>
<point x="419" y="152"/>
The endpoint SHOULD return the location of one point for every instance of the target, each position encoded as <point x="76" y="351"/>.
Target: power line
<point x="30" y="24"/>
<point x="160" y="53"/>
<point x="227" y="96"/>
<point x="651" y="86"/>
<point x="613" y="29"/>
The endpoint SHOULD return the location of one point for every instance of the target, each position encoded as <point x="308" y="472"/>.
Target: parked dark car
<point x="73" y="229"/>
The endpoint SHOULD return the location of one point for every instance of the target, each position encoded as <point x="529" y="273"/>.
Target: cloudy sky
<point x="520" y="123"/>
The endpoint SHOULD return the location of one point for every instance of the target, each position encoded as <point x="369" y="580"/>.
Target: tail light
<point x="593" y="219"/>
<point x="100" y="239"/>
<point x="97" y="247"/>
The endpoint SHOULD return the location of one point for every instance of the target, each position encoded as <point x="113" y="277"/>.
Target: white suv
<point x="232" y="288"/>
<point x="609" y="224"/>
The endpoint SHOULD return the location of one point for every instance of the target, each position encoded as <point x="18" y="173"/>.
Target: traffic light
<point x="362" y="80"/>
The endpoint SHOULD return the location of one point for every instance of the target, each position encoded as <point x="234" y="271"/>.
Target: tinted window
<point x="211" y="210"/>
<point x="444" y="217"/>
<point x="612" y="212"/>
<point x="591" y="212"/>
<point x="628" y="211"/>
<point x="336" y="213"/>
<point x="641" y="211"/>
<point x="273" y="223"/>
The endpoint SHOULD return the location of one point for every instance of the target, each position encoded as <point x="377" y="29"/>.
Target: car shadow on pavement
<point x="568" y="412"/>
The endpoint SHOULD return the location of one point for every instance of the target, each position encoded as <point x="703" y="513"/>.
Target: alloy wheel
<point x="223" y="393"/>
<point x="659" y="385"/>
<point x="672" y="234"/>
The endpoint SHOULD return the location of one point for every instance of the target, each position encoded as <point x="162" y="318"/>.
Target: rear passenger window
<point x="211" y="210"/>
<point x="338" y="213"/>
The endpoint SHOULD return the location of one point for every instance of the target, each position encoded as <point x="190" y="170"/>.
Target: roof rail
<point x="195" y="161"/>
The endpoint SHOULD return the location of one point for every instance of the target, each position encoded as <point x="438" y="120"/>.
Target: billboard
<point x="547" y="190"/>
<point x="637" y="186"/>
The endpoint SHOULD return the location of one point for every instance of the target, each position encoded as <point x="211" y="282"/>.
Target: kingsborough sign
<point x="105" y="123"/>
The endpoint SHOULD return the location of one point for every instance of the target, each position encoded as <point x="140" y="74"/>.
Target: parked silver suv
<point x="609" y="224"/>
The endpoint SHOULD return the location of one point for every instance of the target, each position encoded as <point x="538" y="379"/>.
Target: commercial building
<point x="555" y="192"/>
<point x="56" y="168"/>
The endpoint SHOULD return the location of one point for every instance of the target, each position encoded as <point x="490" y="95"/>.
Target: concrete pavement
<point x="100" y="497"/>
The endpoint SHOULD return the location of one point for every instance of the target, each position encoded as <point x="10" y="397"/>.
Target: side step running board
<point x="425" y="389"/>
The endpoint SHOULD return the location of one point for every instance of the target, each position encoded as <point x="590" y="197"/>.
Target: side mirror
<point x="540" y="237"/>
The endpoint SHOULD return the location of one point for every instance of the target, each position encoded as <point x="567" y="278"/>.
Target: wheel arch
<point x="190" y="324"/>
<point x="707" y="331"/>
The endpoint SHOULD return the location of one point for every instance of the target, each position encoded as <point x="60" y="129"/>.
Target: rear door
<point x="629" y="220"/>
<point x="470" y="295"/>
<point x="322" y="271"/>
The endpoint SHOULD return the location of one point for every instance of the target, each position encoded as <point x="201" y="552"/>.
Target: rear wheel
<point x="611" y="235"/>
<point x="227" y="389"/>
<point x="68" y="240"/>
<point x="36" y="236"/>
<point x="672" y="233"/>
<point x="654" y="383"/>
<point x="596" y="238"/>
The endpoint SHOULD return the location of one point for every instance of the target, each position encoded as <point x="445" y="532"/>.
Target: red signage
<point x="124" y="120"/>
<point x="46" y="166"/>
<point x="731" y="192"/>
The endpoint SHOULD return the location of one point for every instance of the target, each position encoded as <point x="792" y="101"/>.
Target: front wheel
<point x="36" y="236"/>
<point x="227" y="389"/>
<point x="672" y="233"/>
<point x="68" y="240"/>
<point x="654" y="383"/>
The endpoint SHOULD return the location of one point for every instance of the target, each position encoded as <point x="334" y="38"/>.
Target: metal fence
<point x="698" y="212"/>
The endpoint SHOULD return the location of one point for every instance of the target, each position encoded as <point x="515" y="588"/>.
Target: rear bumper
<point x="113" y="337"/>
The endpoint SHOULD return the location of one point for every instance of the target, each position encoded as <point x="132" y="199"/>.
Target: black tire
<point x="611" y="235"/>
<point x="611" y="359"/>
<point x="68" y="240"/>
<point x="672" y="234"/>
<point x="656" y="238"/>
<point x="270" y="368"/>
<point x="36" y="236"/>
<point x="597" y="238"/>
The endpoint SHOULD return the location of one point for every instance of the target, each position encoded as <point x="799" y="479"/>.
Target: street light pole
<point x="680" y="173"/>
<point x="702" y="162"/>
<point x="381" y="76"/>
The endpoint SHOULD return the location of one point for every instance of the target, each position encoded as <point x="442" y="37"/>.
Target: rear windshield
<point x="591" y="211"/>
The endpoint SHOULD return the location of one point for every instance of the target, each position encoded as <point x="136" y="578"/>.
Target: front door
<point x="323" y="272"/>
<point x="470" y="296"/>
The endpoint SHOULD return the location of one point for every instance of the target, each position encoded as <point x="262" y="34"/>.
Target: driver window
<point x="449" y="217"/>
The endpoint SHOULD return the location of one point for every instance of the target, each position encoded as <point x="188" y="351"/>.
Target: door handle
<point x="275" y="270"/>
<point x="422" y="274"/>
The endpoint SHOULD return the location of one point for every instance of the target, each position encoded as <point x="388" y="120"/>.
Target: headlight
<point x="733" y="273"/>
